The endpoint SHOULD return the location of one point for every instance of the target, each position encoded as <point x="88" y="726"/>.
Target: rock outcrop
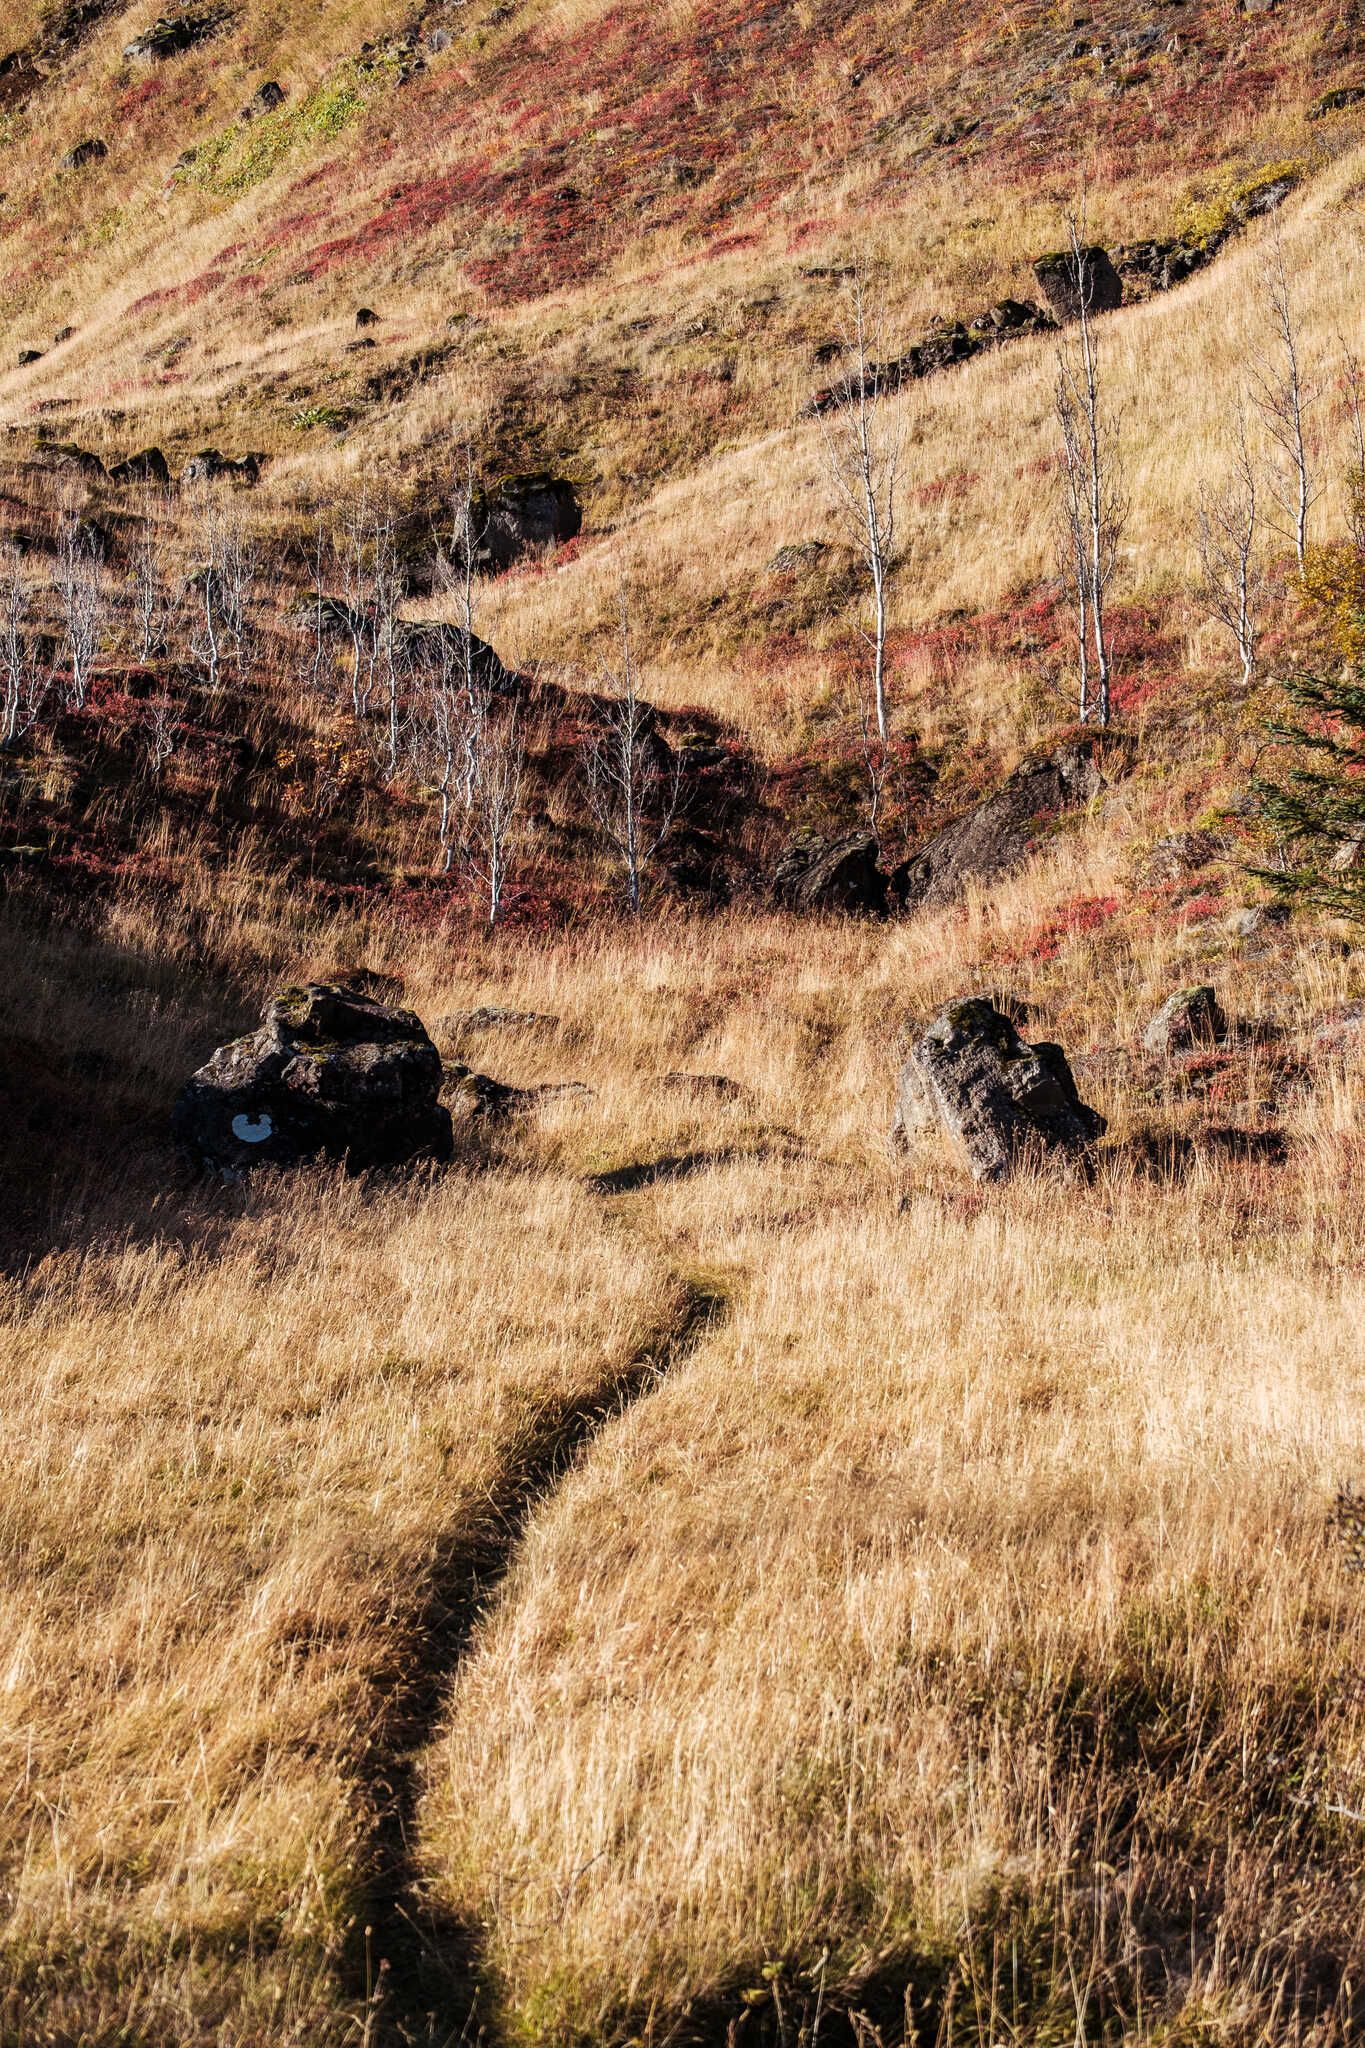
<point x="830" y="874"/>
<point x="1002" y="1101"/>
<point x="170" y="35"/>
<point x="999" y="833"/>
<point x="67" y="456"/>
<point x="1068" y="283"/>
<point x="1188" y="1020"/>
<point x="209" y="466"/>
<point x="329" y="1074"/>
<point x="92" y="151"/>
<point x="433" y="645"/>
<point x="950" y="342"/>
<point x="525" y="514"/>
<point x="148" y="466"/>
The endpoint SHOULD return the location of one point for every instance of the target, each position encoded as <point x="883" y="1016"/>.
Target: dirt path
<point x="418" y="1976"/>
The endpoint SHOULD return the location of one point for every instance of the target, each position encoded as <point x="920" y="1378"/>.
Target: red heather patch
<point x="139" y="96"/>
<point x="941" y="489"/>
<point x="1198" y="908"/>
<point x="808" y="231"/>
<point x="1077" y="919"/>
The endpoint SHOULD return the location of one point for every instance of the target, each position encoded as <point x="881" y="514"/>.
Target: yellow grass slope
<point x="236" y="1472"/>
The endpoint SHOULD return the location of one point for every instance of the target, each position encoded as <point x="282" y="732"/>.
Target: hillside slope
<point x="681" y="1571"/>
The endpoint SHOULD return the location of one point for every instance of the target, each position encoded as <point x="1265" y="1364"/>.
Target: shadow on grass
<point x="647" y="1173"/>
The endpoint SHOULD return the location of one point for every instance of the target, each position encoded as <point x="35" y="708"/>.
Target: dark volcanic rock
<point x="1333" y="102"/>
<point x="433" y="644"/>
<point x="171" y="35"/>
<point x="1149" y="267"/>
<point x="20" y="75"/>
<point x="328" y="1074"/>
<point x="84" y="153"/>
<point x="830" y="874"/>
<point x="29" y="355"/>
<point x="479" y="1098"/>
<point x="208" y="466"/>
<point x="148" y="466"/>
<point x="1000" y="833"/>
<point x="527" y="513"/>
<point x="264" y="100"/>
<point x="93" y="538"/>
<point x="951" y="342"/>
<point x="1098" y="283"/>
<point x="366" y="317"/>
<point x="1001" y="1100"/>
<point x="66" y="455"/>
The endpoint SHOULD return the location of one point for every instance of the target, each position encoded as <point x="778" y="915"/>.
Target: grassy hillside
<point x="682" y="1572"/>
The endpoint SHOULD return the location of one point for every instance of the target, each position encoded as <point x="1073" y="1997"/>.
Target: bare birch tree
<point x="1232" y="578"/>
<point x="470" y="754"/>
<point x="367" y="564"/>
<point x="492" y="799"/>
<point x="1094" y="506"/>
<point x="320" y="664"/>
<point x="442" y="740"/>
<point x="633" y="782"/>
<point x="864" y="442"/>
<point x="466" y="536"/>
<point x="151" y="598"/>
<point x="220" y="591"/>
<point x="1286" y="396"/>
<point x="1355" y="481"/>
<point x="159" y="735"/>
<point x="81" y="600"/>
<point x="25" y="677"/>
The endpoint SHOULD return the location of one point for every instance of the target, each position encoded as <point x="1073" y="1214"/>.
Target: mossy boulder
<point x="1000" y="1100"/>
<point x="329" y="1074"/>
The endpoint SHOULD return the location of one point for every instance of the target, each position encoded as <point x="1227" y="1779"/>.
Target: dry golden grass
<point x="239" y="1459"/>
<point x="957" y="1608"/>
<point x="975" y="1561"/>
<point x="969" y="1586"/>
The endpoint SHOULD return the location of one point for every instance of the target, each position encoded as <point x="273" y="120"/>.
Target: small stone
<point x="493" y="1017"/>
<point x="718" y="1085"/>
<point x="264" y="100"/>
<point x="1189" y="1019"/>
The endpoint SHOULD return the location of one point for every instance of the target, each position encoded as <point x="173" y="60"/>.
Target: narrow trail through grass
<point x="418" y="1971"/>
